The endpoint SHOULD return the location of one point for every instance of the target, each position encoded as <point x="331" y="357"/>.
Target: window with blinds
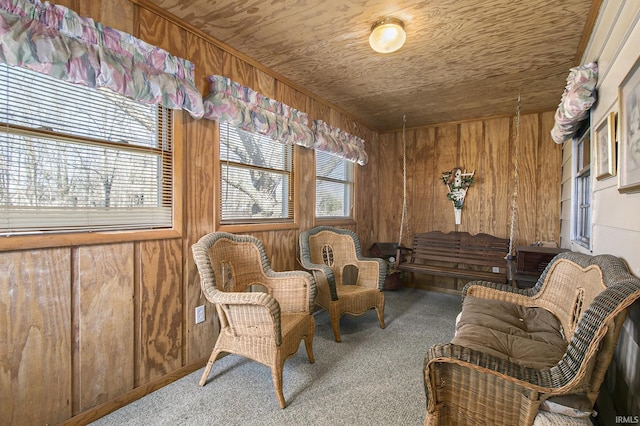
<point x="256" y="178"/>
<point x="334" y="186"/>
<point x="583" y="190"/>
<point x="75" y="159"/>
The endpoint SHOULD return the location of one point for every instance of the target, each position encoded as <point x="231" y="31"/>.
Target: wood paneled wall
<point x="490" y="147"/>
<point x="86" y="329"/>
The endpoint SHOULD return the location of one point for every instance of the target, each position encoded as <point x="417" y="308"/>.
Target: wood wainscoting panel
<point x="159" y="31"/>
<point x="103" y="311"/>
<point x="264" y="83"/>
<point x="446" y="158"/>
<point x="472" y="159"/>
<point x="200" y="147"/>
<point x="35" y="336"/>
<point x="528" y="163"/>
<point x="548" y="182"/>
<point x="159" y="306"/>
<point x="237" y="69"/>
<point x="422" y="185"/>
<point x="207" y="60"/>
<point x="118" y="14"/>
<point x="366" y="192"/>
<point x="496" y="181"/>
<point x="385" y="187"/>
<point x="281" y="248"/>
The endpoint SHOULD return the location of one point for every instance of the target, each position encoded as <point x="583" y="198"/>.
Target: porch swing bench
<point x="456" y="255"/>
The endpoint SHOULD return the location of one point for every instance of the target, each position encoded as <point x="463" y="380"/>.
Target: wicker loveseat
<point x="493" y="373"/>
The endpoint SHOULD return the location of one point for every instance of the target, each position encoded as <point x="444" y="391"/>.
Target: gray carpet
<point x="374" y="377"/>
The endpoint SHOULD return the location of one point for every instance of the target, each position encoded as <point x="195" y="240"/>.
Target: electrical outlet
<point x="199" y="314"/>
<point x="496" y="270"/>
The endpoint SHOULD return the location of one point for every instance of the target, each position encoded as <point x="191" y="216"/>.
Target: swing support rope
<point x="514" y="197"/>
<point x="404" y="178"/>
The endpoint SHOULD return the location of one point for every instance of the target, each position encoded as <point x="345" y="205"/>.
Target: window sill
<point x="255" y="227"/>
<point x="20" y="242"/>
<point x="336" y="221"/>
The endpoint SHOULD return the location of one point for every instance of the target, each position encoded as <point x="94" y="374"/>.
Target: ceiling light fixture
<point x="387" y="35"/>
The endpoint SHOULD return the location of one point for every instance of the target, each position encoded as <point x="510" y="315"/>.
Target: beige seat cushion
<point x="531" y="337"/>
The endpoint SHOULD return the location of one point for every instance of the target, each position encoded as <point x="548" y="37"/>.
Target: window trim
<point x="274" y="225"/>
<point x="71" y="239"/>
<point x="335" y="220"/>
<point x="581" y="171"/>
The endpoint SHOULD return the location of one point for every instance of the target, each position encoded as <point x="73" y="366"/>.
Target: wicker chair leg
<point x="380" y="311"/>
<point x="207" y="369"/>
<point x="308" y="340"/>
<point x="276" y="375"/>
<point x="334" y="317"/>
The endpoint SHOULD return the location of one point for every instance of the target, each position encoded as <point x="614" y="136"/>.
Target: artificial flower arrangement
<point x="457" y="182"/>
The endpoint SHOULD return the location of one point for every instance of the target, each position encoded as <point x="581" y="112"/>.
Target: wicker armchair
<point x="265" y="326"/>
<point x="328" y="252"/>
<point x="588" y="294"/>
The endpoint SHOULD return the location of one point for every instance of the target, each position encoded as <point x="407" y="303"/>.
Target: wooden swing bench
<point x="456" y="255"/>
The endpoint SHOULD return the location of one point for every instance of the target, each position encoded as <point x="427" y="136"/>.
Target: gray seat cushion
<point x="531" y="337"/>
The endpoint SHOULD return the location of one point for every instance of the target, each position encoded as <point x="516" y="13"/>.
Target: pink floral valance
<point x="337" y="142"/>
<point x="248" y="110"/>
<point x="55" y="41"/>
<point x="578" y="97"/>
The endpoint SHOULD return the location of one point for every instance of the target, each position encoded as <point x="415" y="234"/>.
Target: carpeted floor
<point x="374" y="377"/>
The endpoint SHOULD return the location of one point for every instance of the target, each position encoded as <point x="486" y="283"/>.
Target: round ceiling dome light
<point x="387" y="35"/>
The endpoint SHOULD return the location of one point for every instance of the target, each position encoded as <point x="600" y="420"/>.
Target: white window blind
<point x="256" y="178"/>
<point x="77" y="159"/>
<point x="334" y="186"/>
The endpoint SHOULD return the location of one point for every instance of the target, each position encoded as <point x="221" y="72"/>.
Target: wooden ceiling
<point x="463" y="59"/>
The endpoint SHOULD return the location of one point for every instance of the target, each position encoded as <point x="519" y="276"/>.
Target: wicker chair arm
<point x="295" y="291"/>
<point x="248" y="298"/>
<point x="372" y="272"/>
<point x="262" y="308"/>
<point x="324" y="270"/>
<point x="497" y="291"/>
<point x="539" y="380"/>
<point x="486" y="388"/>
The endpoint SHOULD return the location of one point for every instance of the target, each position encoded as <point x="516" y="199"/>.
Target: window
<point x="334" y="186"/>
<point x="582" y="206"/>
<point x="77" y="159"/>
<point x="256" y="178"/>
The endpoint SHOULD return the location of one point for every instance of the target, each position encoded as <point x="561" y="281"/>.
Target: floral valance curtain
<point x="337" y="142"/>
<point x="54" y="40"/>
<point x="248" y="110"/>
<point x="578" y="97"/>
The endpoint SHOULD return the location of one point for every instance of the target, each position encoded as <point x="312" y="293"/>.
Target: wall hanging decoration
<point x="629" y="126"/>
<point x="457" y="182"/>
<point x="605" y="143"/>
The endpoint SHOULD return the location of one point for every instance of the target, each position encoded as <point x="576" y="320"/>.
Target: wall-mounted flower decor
<point x="457" y="182"/>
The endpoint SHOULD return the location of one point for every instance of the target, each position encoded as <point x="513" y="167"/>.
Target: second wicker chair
<point x="328" y="253"/>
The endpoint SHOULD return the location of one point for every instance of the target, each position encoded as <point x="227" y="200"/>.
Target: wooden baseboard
<point x="102" y="410"/>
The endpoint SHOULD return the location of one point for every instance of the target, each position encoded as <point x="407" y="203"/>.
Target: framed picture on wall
<point x="605" y="141"/>
<point x="629" y="131"/>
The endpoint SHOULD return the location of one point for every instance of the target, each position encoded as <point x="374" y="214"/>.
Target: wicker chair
<point x="328" y="253"/>
<point x="465" y="386"/>
<point x="265" y="326"/>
